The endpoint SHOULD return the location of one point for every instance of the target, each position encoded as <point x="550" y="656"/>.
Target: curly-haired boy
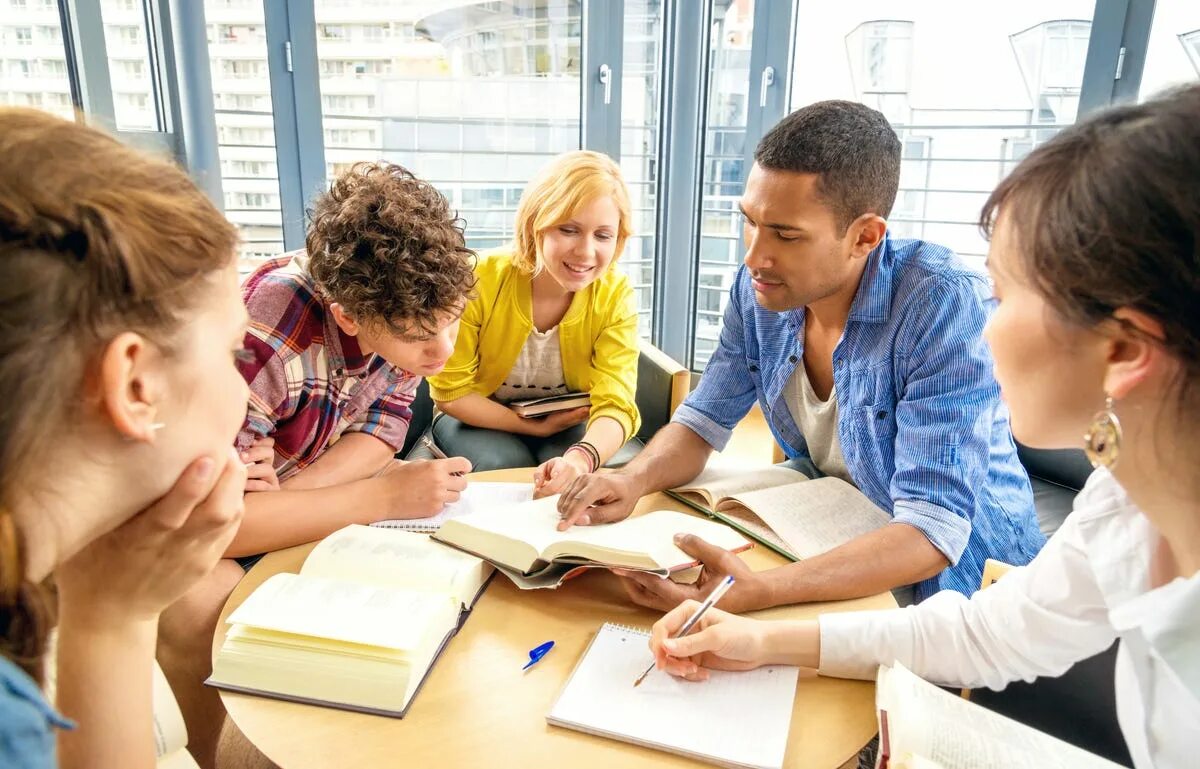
<point x="340" y="336"/>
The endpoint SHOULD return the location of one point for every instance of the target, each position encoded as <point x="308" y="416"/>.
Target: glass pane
<point x="475" y="98"/>
<point x="33" y="68"/>
<point x="720" y="232"/>
<point x="237" y="48"/>
<point x="128" y="48"/>
<point x="1173" y="55"/>
<point x="967" y="107"/>
<point x="640" y="83"/>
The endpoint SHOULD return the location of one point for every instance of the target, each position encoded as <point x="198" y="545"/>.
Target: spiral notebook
<point x="478" y="496"/>
<point x="733" y="719"/>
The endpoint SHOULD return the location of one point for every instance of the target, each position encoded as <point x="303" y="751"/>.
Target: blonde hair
<point x="566" y="183"/>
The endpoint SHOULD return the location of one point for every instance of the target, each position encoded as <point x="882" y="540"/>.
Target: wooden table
<point x="479" y="709"/>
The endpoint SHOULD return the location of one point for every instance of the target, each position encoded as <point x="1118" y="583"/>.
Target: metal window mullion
<point x="1117" y="26"/>
<point x="84" y="30"/>
<point x="296" y="102"/>
<point x="187" y="65"/>
<point x="603" y="46"/>
<point x="680" y="146"/>
<point x="771" y="46"/>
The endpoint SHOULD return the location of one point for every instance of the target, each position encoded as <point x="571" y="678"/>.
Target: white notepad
<point x="733" y="719"/>
<point x="477" y="497"/>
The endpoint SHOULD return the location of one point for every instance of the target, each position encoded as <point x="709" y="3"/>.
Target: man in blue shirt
<point x="865" y="354"/>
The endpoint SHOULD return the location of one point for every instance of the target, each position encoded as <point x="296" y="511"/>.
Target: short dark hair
<point x="850" y="147"/>
<point x="387" y="247"/>
<point x="1105" y="215"/>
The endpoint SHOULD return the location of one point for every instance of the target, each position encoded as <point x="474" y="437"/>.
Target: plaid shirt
<point x="309" y="382"/>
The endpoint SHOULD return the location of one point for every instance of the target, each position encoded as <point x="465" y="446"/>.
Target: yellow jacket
<point x="597" y="337"/>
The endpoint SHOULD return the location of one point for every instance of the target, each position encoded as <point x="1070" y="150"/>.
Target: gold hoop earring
<point x="1102" y="443"/>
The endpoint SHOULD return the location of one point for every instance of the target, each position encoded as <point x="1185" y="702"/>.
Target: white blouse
<point x="1088" y="586"/>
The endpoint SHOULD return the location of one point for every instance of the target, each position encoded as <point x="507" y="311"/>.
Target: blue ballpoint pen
<point x="713" y="597"/>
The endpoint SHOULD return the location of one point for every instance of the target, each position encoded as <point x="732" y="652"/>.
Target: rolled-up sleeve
<point x="726" y="391"/>
<point x="944" y="416"/>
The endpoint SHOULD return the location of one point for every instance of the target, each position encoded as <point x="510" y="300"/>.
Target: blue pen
<point x="537" y="652"/>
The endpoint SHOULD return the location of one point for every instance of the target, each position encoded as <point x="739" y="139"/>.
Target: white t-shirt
<point x="1088" y="586"/>
<point x="538" y="370"/>
<point x="817" y="420"/>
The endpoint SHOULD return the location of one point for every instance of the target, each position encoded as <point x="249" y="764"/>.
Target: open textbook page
<point x="924" y="727"/>
<point x="812" y="517"/>
<point x="525" y="538"/>
<point x="397" y="559"/>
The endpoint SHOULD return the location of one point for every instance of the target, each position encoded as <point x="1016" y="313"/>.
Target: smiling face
<point x="795" y="250"/>
<point x="577" y="251"/>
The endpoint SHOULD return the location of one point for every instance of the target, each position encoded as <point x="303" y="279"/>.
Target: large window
<point x="731" y="37"/>
<point x="474" y="97"/>
<point x="640" y="93"/>
<point x="237" y="47"/>
<point x="33" y="67"/>
<point x="967" y="107"/>
<point x="1173" y="55"/>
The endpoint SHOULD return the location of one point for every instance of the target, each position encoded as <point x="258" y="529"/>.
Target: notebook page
<point x="479" y="496"/>
<point x="738" y="719"/>
<point x="816" y="516"/>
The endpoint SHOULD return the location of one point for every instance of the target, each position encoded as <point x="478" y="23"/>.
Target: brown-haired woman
<point x="118" y="292"/>
<point x="1095" y="255"/>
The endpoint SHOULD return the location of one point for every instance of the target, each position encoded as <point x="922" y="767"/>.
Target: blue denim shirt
<point x="27" y="721"/>
<point x="921" y="424"/>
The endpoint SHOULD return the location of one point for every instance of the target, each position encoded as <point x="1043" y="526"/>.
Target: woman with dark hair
<point x="119" y="401"/>
<point x="1095" y="258"/>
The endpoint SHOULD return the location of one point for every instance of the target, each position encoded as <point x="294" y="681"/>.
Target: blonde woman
<point x="551" y="315"/>
<point x="120" y="320"/>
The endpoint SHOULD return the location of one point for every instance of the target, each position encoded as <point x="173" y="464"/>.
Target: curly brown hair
<point x="387" y="247"/>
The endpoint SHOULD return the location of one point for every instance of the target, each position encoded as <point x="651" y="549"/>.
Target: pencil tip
<point x="638" y="682"/>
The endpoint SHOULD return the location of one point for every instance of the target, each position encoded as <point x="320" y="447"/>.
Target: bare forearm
<point x="354" y="457"/>
<point x="279" y="519"/>
<point x="674" y="456"/>
<point x="478" y="411"/>
<point x="607" y="435"/>
<point x="104" y="685"/>
<point x="896" y="555"/>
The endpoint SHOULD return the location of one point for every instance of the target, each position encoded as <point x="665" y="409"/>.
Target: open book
<point x="733" y="719"/>
<point x="525" y="539"/>
<point x="358" y="628"/>
<point x="783" y="509"/>
<point x="534" y="407"/>
<point x="924" y="727"/>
